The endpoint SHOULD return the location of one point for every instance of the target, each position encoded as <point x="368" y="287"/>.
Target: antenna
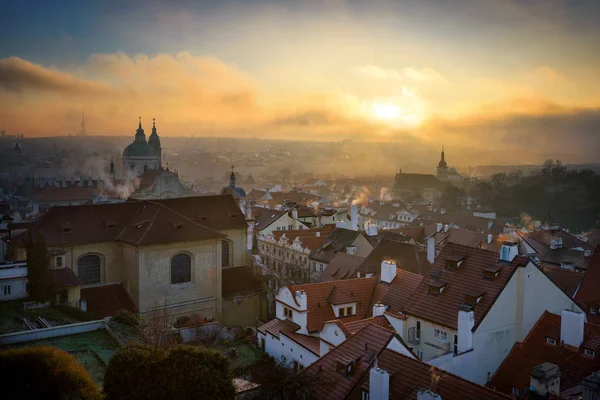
<point x="83" y="132"/>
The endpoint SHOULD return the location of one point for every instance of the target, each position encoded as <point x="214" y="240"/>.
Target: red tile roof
<point x="353" y="327"/>
<point x="362" y="348"/>
<point x="406" y="256"/>
<point x="396" y="294"/>
<point x="565" y="280"/>
<point x="588" y="293"/>
<point x="341" y="266"/>
<point x="443" y="308"/>
<point x="409" y="375"/>
<point x="317" y="294"/>
<point x="569" y="241"/>
<point x="133" y="222"/>
<point x="275" y="326"/>
<point x="574" y="366"/>
<point x="310" y="343"/>
<point x="63" y="278"/>
<point x="104" y="301"/>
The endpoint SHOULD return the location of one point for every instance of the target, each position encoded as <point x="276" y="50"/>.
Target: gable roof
<point x="406" y="256"/>
<point x="336" y="241"/>
<point x="409" y="375"/>
<point x="266" y="217"/>
<point x="341" y="266"/>
<point x="362" y="348"/>
<point x="133" y="222"/>
<point x="443" y="308"/>
<point x="418" y="182"/>
<point x="588" y="293"/>
<point x="464" y="237"/>
<point x="516" y="368"/>
<point x="569" y="241"/>
<point x="219" y="212"/>
<point x="565" y="280"/>
<point x="318" y="296"/>
<point x="396" y="294"/>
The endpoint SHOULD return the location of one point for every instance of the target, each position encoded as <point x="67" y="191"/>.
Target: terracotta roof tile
<point x="409" y="375"/>
<point x="362" y="348"/>
<point x="64" y="278"/>
<point x="443" y="308"/>
<point x="354" y="327"/>
<point x="220" y="212"/>
<point x="317" y="294"/>
<point x="263" y="217"/>
<point x="396" y="294"/>
<point x="339" y="296"/>
<point x="588" y="292"/>
<point x="336" y="241"/>
<point x="341" y="266"/>
<point x="574" y="366"/>
<point x="406" y="256"/>
<point x="275" y="326"/>
<point x="311" y="343"/>
<point x="565" y="280"/>
<point x="104" y="301"/>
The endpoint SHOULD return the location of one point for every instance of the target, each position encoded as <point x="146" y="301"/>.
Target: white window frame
<point x="589" y="352"/>
<point x="438" y="334"/>
<point x="364" y="395"/>
<point x="516" y="391"/>
<point x="551" y="341"/>
<point x="59" y="262"/>
<point x="7" y="290"/>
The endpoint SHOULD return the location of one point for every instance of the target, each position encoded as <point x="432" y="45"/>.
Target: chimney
<point x="466" y="322"/>
<point x="301" y="299"/>
<point x="354" y="218"/>
<point x="556" y="243"/>
<point x="591" y="387"/>
<point x="439" y="227"/>
<point x="372" y="230"/>
<point x="378" y="309"/>
<point x="379" y="384"/>
<point x="545" y="379"/>
<point x="431" y="249"/>
<point x="388" y="271"/>
<point x="446" y="228"/>
<point x="426" y="394"/>
<point x="318" y="234"/>
<point x="568" y="265"/>
<point x="508" y="251"/>
<point x="489" y="238"/>
<point x="587" y="253"/>
<point x="249" y="213"/>
<point x="351" y="250"/>
<point x="571" y="328"/>
<point x="294" y="219"/>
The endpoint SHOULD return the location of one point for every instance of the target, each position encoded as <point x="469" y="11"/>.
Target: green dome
<point x="139" y="149"/>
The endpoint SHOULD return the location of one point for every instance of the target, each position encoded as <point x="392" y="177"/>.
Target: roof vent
<point x="177" y="225"/>
<point x="109" y="224"/>
<point x="454" y="261"/>
<point x="436" y="287"/>
<point x="490" y="273"/>
<point x="65" y="227"/>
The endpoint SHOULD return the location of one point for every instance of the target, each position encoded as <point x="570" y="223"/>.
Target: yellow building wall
<point x="239" y="237"/>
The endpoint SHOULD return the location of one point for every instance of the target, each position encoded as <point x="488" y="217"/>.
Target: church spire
<point x="140" y="136"/>
<point x="232" y="178"/>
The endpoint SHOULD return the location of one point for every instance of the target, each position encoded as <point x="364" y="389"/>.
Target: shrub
<point x="44" y="373"/>
<point x="182" y="321"/>
<point x="140" y="372"/>
<point x="126" y="317"/>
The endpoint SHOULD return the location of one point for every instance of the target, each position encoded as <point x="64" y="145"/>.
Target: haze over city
<point x="484" y="78"/>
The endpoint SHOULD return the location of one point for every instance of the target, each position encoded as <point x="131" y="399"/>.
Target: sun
<point x="387" y="111"/>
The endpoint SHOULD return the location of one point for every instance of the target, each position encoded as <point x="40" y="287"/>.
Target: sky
<point x="501" y="80"/>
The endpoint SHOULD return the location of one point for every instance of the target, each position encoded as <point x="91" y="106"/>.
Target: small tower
<point x="232" y="178"/>
<point x="442" y="168"/>
<point x="112" y="173"/>
<point x="140" y="136"/>
<point x="154" y="141"/>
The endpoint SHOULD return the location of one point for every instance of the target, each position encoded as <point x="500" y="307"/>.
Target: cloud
<point x="425" y="74"/>
<point x="375" y="72"/>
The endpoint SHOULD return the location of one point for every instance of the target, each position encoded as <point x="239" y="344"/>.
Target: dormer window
<point x="65" y="227"/>
<point x="109" y="224"/>
<point x="593" y="310"/>
<point x="474" y="296"/>
<point x="177" y="225"/>
<point x="288" y="313"/>
<point x="490" y="273"/>
<point x="58" y="261"/>
<point x="589" y="352"/>
<point x="436" y="287"/>
<point x="453" y="262"/>
<point x="551" y="341"/>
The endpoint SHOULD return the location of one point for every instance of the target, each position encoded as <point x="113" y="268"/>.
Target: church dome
<point x="235" y="191"/>
<point x="139" y="149"/>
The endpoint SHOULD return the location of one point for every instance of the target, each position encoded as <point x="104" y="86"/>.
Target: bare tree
<point x="158" y="331"/>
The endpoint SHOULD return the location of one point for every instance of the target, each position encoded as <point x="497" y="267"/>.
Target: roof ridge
<point x="333" y="282"/>
<point x="149" y="225"/>
<point x="126" y="225"/>
<point x="184" y="217"/>
<point x="470" y="247"/>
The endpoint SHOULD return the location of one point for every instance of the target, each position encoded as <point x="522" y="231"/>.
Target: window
<point x="440" y="335"/>
<point x="516" y="391"/>
<point x="181" y="269"/>
<point x="364" y="395"/>
<point x="349" y="311"/>
<point x="593" y="310"/>
<point x="342" y="312"/>
<point x="551" y="341"/>
<point x="587" y="352"/>
<point x="88" y="269"/>
<point x="288" y="313"/>
<point x="59" y="262"/>
<point x="225" y="253"/>
<point x="7" y="290"/>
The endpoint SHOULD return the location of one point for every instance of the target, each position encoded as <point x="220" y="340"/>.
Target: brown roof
<point x="443" y="308"/>
<point x="71" y="192"/>
<point x="406" y="256"/>
<point x="588" y="293"/>
<point x="461" y="236"/>
<point x="414" y="232"/>
<point x="362" y="348"/>
<point x="574" y="366"/>
<point x="310" y="343"/>
<point x="336" y="241"/>
<point x="351" y="328"/>
<point x="409" y="375"/>
<point x="302" y="198"/>
<point x="396" y="294"/>
<point x="341" y="266"/>
<point x="569" y="241"/>
<point x="133" y="222"/>
<point x="220" y="212"/>
<point x="263" y="217"/>
<point x="318" y="294"/>
<point x="275" y="326"/>
<point x="239" y="280"/>
<point x="565" y="280"/>
<point x="103" y="301"/>
<point x="63" y="278"/>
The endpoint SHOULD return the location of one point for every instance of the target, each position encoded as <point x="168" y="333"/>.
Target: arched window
<point x="181" y="269"/>
<point x="225" y="253"/>
<point x="88" y="269"/>
<point x="145" y="167"/>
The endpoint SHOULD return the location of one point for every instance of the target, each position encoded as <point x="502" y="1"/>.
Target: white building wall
<point x="396" y="345"/>
<point x="17" y="289"/>
<point x="332" y="334"/>
<point x="292" y="351"/>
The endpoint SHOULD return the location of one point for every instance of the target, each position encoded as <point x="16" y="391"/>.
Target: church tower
<point x="442" y="168"/>
<point x="154" y="141"/>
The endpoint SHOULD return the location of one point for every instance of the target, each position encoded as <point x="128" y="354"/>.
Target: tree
<point x="182" y="372"/>
<point x="40" y="287"/>
<point x="44" y="373"/>
<point x="452" y="197"/>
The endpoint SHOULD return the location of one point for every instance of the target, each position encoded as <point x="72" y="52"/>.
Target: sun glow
<point x="386" y="111"/>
